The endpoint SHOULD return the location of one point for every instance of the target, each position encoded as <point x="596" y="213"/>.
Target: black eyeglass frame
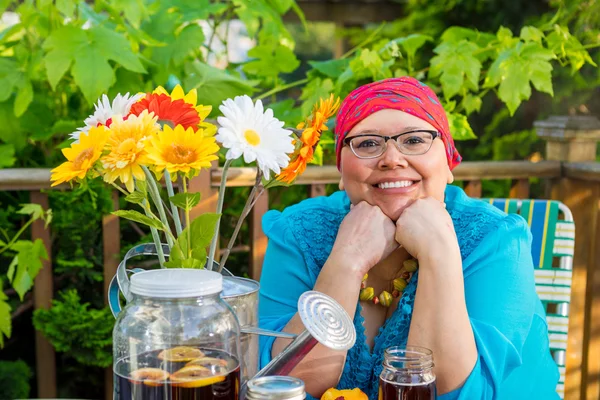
<point x="434" y="134"/>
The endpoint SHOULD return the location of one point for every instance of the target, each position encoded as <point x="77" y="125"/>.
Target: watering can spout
<point x="326" y="322"/>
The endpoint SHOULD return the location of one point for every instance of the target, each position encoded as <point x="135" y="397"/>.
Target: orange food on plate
<point x="346" y="394"/>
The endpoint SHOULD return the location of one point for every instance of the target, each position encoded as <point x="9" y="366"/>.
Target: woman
<point x="475" y="304"/>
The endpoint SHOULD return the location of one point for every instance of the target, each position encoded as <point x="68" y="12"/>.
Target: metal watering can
<point x="326" y="322"/>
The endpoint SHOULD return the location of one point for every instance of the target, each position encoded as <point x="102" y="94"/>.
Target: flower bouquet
<point x="139" y="143"/>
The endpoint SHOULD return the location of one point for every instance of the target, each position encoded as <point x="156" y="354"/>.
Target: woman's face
<point x="426" y="174"/>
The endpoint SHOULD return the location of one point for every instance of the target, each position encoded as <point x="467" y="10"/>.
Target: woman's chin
<point x="393" y="211"/>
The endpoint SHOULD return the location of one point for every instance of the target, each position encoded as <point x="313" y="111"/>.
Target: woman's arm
<point x="440" y="321"/>
<point x="474" y="352"/>
<point x="322" y="367"/>
<point x="285" y="277"/>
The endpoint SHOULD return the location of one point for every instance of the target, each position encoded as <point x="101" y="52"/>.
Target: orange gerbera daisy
<point x="191" y="98"/>
<point x="311" y="134"/>
<point x="169" y="112"/>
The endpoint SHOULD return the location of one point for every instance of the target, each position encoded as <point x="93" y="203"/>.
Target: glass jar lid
<point x="276" y="388"/>
<point x="176" y="283"/>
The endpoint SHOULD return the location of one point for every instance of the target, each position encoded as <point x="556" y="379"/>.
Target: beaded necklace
<point x="367" y="293"/>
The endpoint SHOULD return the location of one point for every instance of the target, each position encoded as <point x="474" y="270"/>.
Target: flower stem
<point x="155" y="235"/>
<point x="213" y="243"/>
<point x="247" y="207"/>
<point x="187" y="220"/>
<point x="155" y="194"/>
<point x="282" y="88"/>
<point x="174" y="209"/>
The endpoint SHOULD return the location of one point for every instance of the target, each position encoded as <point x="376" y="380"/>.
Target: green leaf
<point x="193" y="10"/>
<point x="24" y="98"/>
<point x="4" y="4"/>
<point x="331" y="68"/>
<point x="35" y="210"/>
<point x="471" y="103"/>
<point x="66" y="7"/>
<point x="136" y="216"/>
<point x="531" y="33"/>
<point x="187" y="263"/>
<point x="185" y="201"/>
<point x="29" y="256"/>
<point x="114" y="46"/>
<point x="10" y="274"/>
<point x="414" y="42"/>
<point x="5" y="319"/>
<point x="63" y="45"/>
<point x="314" y="91"/>
<point x="456" y="66"/>
<point x="284" y="110"/>
<point x="213" y="85"/>
<point x="515" y="68"/>
<point x="7" y="155"/>
<point x="142" y="187"/>
<point x="318" y="156"/>
<point x="135" y="197"/>
<point x="271" y="60"/>
<point x="460" y="127"/>
<point x="568" y="48"/>
<point x="504" y="34"/>
<point x="187" y="43"/>
<point x="93" y="74"/>
<point x="10" y="76"/>
<point x="203" y="229"/>
<point x="282" y="6"/>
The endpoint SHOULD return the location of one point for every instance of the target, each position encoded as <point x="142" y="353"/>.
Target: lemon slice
<point x="194" y="376"/>
<point x="180" y="354"/>
<point x="149" y="376"/>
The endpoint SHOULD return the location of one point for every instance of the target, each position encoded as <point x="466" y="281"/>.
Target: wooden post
<point x="111" y="249"/>
<point x="258" y="240"/>
<point x="574" y="139"/>
<point x="43" y="292"/>
<point x="317" y="189"/>
<point x="473" y="188"/>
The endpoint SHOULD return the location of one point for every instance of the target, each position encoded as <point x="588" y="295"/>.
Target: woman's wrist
<point x="347" y="264"/>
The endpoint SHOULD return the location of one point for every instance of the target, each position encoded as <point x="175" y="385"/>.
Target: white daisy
<point x="246" y="128"/>
<point x="105" y="111"/>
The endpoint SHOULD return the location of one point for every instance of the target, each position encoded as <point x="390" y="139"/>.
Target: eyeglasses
<point x="411" y="143"/>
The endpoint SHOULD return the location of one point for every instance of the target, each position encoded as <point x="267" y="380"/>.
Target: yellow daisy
<point x="126" y="145"/>
<point x="181" y="150"/>
<point x="81" y="156"/>
<point x="191" y="98"/>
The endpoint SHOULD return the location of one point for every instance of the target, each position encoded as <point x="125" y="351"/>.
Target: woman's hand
<point x="426" y="229"/>
<point x="365" y="237"/>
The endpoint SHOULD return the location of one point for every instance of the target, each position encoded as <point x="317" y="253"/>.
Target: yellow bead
<point x="410" y="265"/>
<point x="400" y="284"/>
<point x="365" y="277"/>
<point x="385" y="298"/>
<point x="367" y="294"/>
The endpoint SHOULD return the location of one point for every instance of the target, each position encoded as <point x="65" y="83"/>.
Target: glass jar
<point x="275" y="388"/>
<point x="176" y="339"/>
<point x="407" y="374"/>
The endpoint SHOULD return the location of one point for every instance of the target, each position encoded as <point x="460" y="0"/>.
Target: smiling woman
<point x="474" y="306"/>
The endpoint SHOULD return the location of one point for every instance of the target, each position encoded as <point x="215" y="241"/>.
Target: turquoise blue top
<point x="506" y="315"/>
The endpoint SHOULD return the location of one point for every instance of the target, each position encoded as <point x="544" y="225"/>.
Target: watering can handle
<point x="120" y="282"/>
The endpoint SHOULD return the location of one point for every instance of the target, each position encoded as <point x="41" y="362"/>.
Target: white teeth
<point x="397" y="184"/>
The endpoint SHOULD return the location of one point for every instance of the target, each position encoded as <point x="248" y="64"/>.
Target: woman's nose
<point x="392" y="157"/>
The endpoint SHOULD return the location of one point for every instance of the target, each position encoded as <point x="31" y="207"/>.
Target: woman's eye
<point x="414" y="140"/>
<point x="368" y="143"/>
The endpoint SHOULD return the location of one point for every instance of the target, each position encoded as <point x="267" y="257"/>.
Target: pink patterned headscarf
<point x="405" y="94"/>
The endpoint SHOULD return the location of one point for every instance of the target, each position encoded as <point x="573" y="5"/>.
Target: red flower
<point x="168" y="111"/>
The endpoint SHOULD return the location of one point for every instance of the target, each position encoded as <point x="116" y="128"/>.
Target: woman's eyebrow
<point x="378" y="132"/>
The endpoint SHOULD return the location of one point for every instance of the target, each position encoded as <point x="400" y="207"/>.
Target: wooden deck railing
<point x="571" y="177"/>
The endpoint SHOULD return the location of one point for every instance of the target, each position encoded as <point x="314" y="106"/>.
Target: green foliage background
<point x="496" y="65"/>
